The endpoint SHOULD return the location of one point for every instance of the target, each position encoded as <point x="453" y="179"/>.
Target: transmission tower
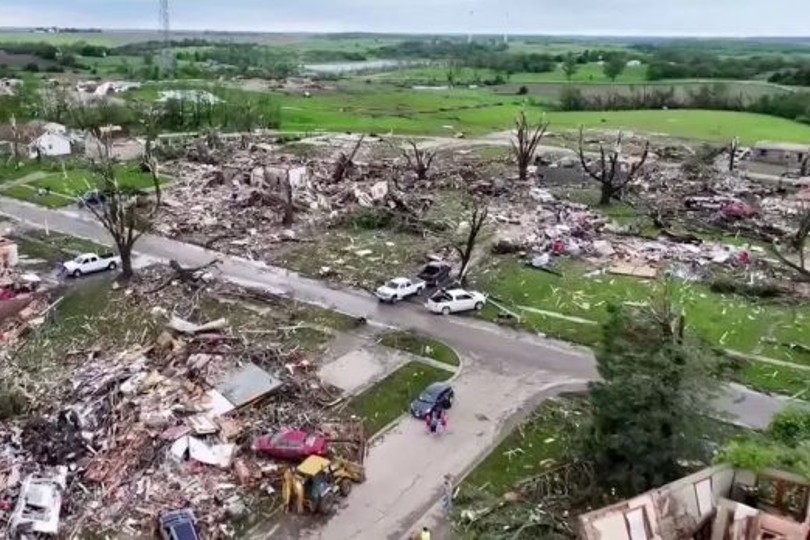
<point x="166" y="57"/>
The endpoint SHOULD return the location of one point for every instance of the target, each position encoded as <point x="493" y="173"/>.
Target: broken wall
<point x="671" y="512"/>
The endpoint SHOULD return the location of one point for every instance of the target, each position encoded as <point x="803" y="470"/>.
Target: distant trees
<point x="611" y="170"/>
<point x="570" y="66"/>
<point x="525" y="142"/>
<point x="651" y="405"/>
<point x="614" y="66"/>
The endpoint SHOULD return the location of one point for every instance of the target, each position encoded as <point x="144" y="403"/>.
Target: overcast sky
<point x="601" y="17"/>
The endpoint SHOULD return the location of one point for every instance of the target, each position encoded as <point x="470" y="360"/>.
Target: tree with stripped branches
<point x="609" y="170"/>
<point x="796" y="242"/>
<point x="524" y="144"/>
<point x="418" y="159"/>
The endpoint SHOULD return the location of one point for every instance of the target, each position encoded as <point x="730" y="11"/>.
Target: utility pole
<point x="166" y="57"/>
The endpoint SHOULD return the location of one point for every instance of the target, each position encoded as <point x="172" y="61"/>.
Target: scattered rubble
<point x="162" y="423"/>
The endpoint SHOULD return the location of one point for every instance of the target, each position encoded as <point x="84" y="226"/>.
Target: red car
<point x="291" y="444"/>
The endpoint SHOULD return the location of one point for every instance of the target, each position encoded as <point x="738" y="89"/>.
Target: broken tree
<point x="117" y="210"/>
<point x="527" y="139"/>
<point x="419" y="159"/>
<point x="345" y="163"/>
<point x="797" y="242"/>
<point x="733" y="146"/>
<point x="610" y="171"/>
<point x="466" y="242"/>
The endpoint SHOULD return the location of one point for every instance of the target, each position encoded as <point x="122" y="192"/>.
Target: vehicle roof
<point x="399" y="280"/>
<point x="457" y="291"/>
<point x="290" y="434"/>
<point x="313" y="465"/>
<point x="437" y="386"/>
<point x="88" y="255"/>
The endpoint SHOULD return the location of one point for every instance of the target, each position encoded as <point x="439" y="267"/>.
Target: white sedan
<point x="455" y="300"/>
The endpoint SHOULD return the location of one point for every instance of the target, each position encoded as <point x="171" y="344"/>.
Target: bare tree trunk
<point x="804" y="168"/>
<point x="419" y="160"/>
<point x="125" y="252"/>
<point x="732" y="153"/>
<point x="346" y="162"/>
<point x="289" y="209"/>
<point x="478" y="218"/>
<point x="606" y="194"/>
<point x="525" y="143"/>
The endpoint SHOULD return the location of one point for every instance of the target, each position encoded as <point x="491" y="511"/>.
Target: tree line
<point x="717" y="96"/>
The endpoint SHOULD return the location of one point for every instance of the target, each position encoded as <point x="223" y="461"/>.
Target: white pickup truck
<point x="400" y="288"/>
<point x="89" y="263"/>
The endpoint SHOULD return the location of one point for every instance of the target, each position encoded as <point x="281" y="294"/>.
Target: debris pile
<point x="163" y="425"/>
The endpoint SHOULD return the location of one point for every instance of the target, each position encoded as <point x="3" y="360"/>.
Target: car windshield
<point x="310" y="440"/>
<point x="392" y="285"/>
<point x="431" y="269"/>
<point x="79" y="259"/>
<point x="441" y="297"/>
<point x="429" y="395"/>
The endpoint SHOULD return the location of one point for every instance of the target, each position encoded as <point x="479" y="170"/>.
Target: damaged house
<point x="779" y="153"/>
<point x="718" y="503"/>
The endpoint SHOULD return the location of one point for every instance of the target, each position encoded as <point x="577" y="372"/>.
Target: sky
<point x="579" y="17"/>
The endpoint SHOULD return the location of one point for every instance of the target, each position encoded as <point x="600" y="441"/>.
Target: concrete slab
<point x="360" y="368"/>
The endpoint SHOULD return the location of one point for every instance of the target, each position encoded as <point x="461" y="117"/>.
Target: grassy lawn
<point x="29" y="193"/>
<point x="78" y="181"/>
<point x="10" y="170"/>
<point x="54" y="247"/>
<point x="389" y="399"/>
<point x="420" y="346"/>
<point x="775" y="379"/>
<point x="728" y="321"/>
<point x="538" y="444"/>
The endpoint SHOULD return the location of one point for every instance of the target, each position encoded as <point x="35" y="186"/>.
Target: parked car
<point x="454" y="301"/>
<point x="92" y="198"/>
<point x="179" y="525"/>
<point x="435" y="273"/>
<point x="89" y="263"/>
<point x="400" y="288"/>
<point x="438" y="393"/>
<point x="291" y="444"/>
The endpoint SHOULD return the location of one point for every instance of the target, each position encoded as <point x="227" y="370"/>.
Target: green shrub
<point x="791" y="426"/>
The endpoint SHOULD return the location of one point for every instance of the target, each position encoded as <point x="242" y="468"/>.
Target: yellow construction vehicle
<point x="315" y="484"/>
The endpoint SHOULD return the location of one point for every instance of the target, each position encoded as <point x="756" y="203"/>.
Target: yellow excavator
<point x="315" y="484"/>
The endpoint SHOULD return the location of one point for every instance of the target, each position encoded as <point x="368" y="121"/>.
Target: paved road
<point x="508" y="371"/>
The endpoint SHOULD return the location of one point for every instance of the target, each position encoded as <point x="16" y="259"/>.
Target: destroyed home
<point x="167" y="416"/>
<point x="779" y="153"/>
<point x="718" y="503"/>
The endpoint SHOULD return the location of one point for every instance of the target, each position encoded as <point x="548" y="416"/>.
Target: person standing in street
<point x="425" y="534"/>
<point x="447" y="495"/>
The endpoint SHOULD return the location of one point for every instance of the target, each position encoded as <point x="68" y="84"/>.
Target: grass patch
<point x="29" y="194"/>
<point x="775" y="379"/>
<point x="54" y="247"/>
<point x="538" y="444"/>
<point x="11" y="170"/>
<point x="724" y="320"/>
<point x="420" y="346"/>
<point x="389" y="399"/>
<point x="79" y="181"/>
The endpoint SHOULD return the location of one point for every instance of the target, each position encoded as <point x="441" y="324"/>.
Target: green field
<point x="371" y="109"/>
<point x="686" y="123"/>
